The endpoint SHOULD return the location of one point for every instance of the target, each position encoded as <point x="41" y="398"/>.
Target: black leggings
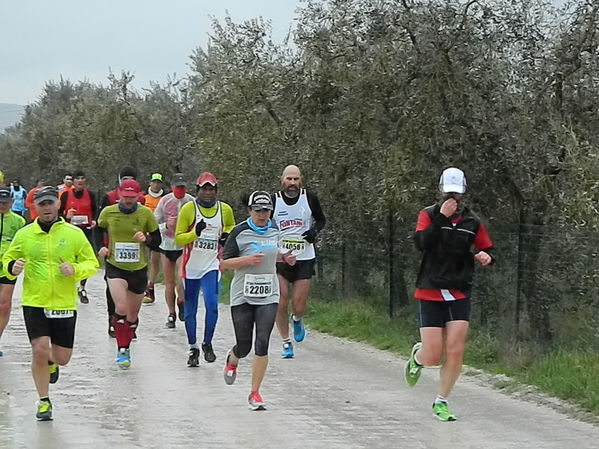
<point x="244" y="316"/>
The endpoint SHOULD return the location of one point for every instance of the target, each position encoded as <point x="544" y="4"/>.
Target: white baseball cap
<point x="452" y="180"/>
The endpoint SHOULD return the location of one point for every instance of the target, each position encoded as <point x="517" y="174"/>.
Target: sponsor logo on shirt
<point x="295" y="222"/>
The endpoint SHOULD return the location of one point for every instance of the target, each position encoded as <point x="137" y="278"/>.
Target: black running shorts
<point x="172" y="255"/>
<point x="5" y="280"/>
<point x="303" y="269"/>
<point x="60" y="329"/>
<point x="137" y="280"/>
<point x="437" y="313"/>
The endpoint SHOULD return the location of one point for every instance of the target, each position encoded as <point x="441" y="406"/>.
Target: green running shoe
<point x="44" y="411"/>
<point x="441" y="412"/>
<point x="54" y="373"/>
<point x="413" y="369"/>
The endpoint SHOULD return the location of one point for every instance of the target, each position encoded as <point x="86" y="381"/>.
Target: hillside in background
<point x="10" y="114"/>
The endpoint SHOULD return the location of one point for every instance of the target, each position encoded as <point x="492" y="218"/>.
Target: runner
<point x="202" y="226"/>
<point x="78" y="206"/>
<point x="252" y="252"/>
<point x="29" y="199"/>
<point x="18" y="194"/>
<point x="108" y="199"/>
<point x="155" y="192"/>
<point x="67" y="184"/>
<point x="166" y="215"/>
<point x="128" y="224"/>
<point x="54" y="255"/>
<point x="10" y="223"/>
<point x="451" y="238"/>
<point x="299" y="217"/>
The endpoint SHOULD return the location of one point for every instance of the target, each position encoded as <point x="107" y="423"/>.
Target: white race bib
<point x="78" y="220"/>
<point x="126" y="252"/>
<point x="207" y="241"/>
<point x="258" y="285"/>
<point x="59" y="313"/>
<point x="294" y="243"/>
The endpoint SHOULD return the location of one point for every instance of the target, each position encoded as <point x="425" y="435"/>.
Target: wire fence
<point x="543" y="290"/>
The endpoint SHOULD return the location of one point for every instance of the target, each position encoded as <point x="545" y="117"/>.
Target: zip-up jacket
<point x="44" y="285"/>
<point x="10" y="223"/>
<point x="448" y="248"/>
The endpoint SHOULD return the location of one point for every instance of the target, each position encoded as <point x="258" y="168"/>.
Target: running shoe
<point x="413" y="369"/>
<point x="256" y="402"/>
<point x="123" y="358"/>
<point x="440" y="411"/>
<point x="149" y="296"/>
<point x="194" y="358"/>
<point x="170" y="321"/>
<point x="287" y="351"/>
<point x="181" y="307"/>
<point x="230" y="372"/>
<point x="208" y="352"/>
<point x="1" y="353"/>
<point x="54" y="373"/>
<point x="44" y="411"/>
<point x="299" y="331"/>
<point x="110" y="328"/>
<point x="83" y="296"/>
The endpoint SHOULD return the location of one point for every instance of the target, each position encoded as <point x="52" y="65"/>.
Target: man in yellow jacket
<point x="55" y="256"/>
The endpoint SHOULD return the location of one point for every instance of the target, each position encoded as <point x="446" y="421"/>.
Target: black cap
<point x="45" y="193"/>
<point x="260" y="200"/>
<point x="4" y="195"/>
<point x="178" y="180"/>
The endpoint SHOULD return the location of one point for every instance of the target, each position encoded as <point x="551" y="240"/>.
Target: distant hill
<point x="10" y="114"/>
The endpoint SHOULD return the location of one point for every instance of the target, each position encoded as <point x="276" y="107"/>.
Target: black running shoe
<point x="83" y="296"/>
<point x="194" y="358"/>
<point x="208" y="352"/>
<point x="170" y="322"/>
<point x="181" y="307"/>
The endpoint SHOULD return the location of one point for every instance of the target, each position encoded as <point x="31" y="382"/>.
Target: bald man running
<point x="299" y="218"/>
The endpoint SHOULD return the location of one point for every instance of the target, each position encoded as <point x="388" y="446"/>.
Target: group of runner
<point x="195" y="239"/>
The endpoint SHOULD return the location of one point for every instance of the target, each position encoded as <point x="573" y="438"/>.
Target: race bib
<point x="258" y="285"/>
<point x="78" y="220"/>
<point x="59" y="313"/>
<point x="294" y="243"/>
<point x="207" y="241"/>
<point x="126" y="252"/>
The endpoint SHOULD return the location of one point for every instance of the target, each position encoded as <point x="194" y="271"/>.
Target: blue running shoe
<point x="287" y="351"/>
<point x="123" y="358"/>
<point x="299" y="332"/>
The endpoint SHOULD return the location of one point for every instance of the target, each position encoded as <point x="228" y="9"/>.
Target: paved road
<point x="335" y="394"/>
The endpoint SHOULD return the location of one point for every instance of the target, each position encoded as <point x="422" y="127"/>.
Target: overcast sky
<point x="42" y="40"/>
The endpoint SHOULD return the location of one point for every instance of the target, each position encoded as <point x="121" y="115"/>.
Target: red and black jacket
<point x="448" y="248"/>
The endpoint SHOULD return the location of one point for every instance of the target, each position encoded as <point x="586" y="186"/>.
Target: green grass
<point x="569" y="375"/>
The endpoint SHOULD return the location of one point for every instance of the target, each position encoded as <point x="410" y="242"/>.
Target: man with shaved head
<point x="299" y="217"/>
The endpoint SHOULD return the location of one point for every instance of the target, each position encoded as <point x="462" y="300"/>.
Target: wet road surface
<point x="334" y="394"/>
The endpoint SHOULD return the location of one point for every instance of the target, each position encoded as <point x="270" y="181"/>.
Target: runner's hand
<point x="254" y="259"/>
<point x="17" y="267"/>
<point x="71" y="213"/>
<point x="66" y="269"/>
<point x="104" y="252"/>
<point x="309" y="236"/>
<point x="200" y="226"/>
<point x="140" y="237"/>
<point x="171" y="222"/>
<point x="289" y="258"/>
<point x="483" y="258"/>
<point x="449" y="207"/>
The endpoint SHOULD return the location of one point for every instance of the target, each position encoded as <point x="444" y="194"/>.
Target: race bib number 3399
<point x="126" y="252"/>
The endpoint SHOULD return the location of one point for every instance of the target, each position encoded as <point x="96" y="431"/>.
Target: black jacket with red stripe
<point x="448" y="248"/>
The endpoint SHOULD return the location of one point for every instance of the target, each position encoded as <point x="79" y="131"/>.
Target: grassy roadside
<point x="567" y="374"/>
